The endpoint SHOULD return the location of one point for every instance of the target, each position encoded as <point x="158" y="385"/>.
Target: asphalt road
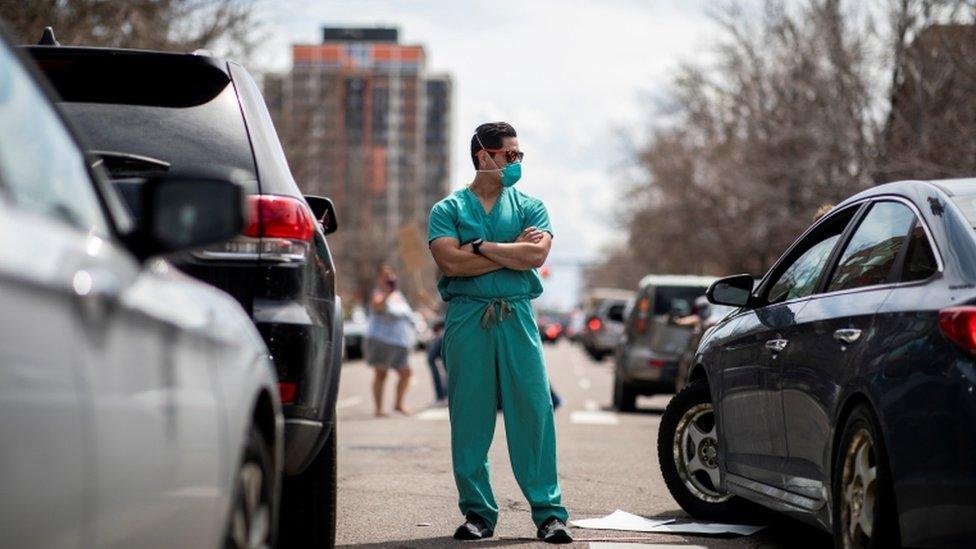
<point x="396" y="489"/>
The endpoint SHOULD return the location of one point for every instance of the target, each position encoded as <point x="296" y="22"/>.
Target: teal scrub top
<point x="460" y="215"/>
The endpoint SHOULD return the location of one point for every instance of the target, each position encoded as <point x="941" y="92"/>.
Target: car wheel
<point x="624" y="397"/>
<point x="864" y="514"/>
<point x="250" y="524"/>
<point x="308" y="504"/>
<point x="594" y="354"/>
<point x="687" y="449"/>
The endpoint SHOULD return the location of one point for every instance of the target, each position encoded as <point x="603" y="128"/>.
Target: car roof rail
<point x="47" y="38"/>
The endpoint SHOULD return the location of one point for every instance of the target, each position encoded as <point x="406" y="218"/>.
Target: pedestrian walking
<point x="488" y="240"/>
<point x="389" y="338"/>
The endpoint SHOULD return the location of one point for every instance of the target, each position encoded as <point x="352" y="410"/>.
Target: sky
<point x="577" y="79"/>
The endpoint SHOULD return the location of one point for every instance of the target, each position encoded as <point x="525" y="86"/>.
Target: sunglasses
<point x="510" y="156"/>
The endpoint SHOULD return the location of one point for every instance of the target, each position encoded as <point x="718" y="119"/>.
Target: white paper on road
<point x="622" y="520"/>
<point x="628" y="545"/>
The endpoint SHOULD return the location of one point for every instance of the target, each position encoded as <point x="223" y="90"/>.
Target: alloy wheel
<point x="859" y="491"/>
<point x="250" y="526"/>
<point x="695" y="449"/>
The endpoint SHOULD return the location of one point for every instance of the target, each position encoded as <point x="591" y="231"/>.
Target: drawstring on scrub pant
<point x="492" y="318"/>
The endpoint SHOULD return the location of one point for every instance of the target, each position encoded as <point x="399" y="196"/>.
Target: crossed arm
<point x="529" y="251"/>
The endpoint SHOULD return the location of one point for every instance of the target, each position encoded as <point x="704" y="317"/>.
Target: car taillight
<point x="959" y="325"/>
<point x="594" y="324"/>
<point x="655" y="363"/>
<point x="280" y="228"/>
<point x="286" y="391"/>
<point x="552" y="331"/>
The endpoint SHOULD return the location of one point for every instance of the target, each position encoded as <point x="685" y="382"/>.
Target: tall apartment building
<point x="363" y="123"/>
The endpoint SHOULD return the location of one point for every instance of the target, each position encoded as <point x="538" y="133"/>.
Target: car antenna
<point x="48" y="39"/>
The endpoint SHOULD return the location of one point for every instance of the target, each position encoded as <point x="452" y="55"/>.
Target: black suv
<point x="144" y="113"/>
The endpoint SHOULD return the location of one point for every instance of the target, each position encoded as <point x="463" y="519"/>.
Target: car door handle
<point x="847" y="335"/>
<point x="776" y="345"/>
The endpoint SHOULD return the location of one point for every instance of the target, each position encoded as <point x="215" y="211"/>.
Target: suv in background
<point x="605" y="310"/>
<point x="145" y="114"/>
<point x="653" y="343"/>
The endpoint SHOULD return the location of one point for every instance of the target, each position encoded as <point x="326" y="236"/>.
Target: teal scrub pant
<point x="492" y="351"/>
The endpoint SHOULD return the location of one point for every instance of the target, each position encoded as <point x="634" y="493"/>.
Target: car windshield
<point x="181" y="113"/>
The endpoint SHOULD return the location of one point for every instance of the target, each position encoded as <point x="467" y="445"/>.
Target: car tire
<point x="864" y="504"/>
<point x="251" y="519"/>
<point x="308" y="502"/>
<point x="624" y="396"/>
<point x="687" y="449"/>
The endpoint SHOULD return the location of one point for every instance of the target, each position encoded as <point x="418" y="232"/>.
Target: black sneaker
<point x="474" y="527"/>
<point x="554" y="530"/>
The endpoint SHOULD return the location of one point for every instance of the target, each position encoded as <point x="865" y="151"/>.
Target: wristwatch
<point x="476" y="245"/>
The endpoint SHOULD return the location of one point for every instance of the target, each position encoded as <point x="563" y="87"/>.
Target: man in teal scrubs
<point x="488" y="240"/>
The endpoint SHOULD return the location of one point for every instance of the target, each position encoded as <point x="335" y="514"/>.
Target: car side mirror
<point x="732" y="290"/>
<point x="324" y="211"/>
<point x="183" y="212"/>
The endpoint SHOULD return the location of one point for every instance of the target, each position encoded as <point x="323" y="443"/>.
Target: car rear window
<point x="665" y="297"/>
<point x="179" y="112"/>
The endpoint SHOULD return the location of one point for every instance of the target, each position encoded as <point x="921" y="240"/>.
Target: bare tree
<point x="776" y="127"/>
<point x="794" y="114"/>
<point x="932" y="109"/>
<point x="227" y="26"/>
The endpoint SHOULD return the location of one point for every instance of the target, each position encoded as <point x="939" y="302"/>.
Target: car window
<point x="871" y="253"/>
<point x="151" y="113"/>
<point x="799" y="277"/>
<point x="919" y="258"/>
<point x="616" y="312"/>
<point x="667" y="298"/>
<point x="41" y="166"/>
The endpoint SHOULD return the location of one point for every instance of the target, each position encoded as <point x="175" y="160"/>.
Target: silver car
<point x="606" y="310"/>
<point x="653" y="342"/>
<point x="139" y="407"/>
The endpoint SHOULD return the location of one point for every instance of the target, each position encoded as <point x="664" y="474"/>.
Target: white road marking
<point x="434" y="414"/>
<point x="584" y="383"/>
<point x="348" y="402"/>
<point x="612" y="545"/>
<point x="593" y="418"/>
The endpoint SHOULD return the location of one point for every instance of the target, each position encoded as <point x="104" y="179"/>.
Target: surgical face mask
<point x="511" y="173"/>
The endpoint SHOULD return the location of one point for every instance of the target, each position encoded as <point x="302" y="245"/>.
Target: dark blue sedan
<point x="841" y="391"/>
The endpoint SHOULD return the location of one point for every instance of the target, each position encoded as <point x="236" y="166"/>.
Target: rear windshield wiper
<point x="121" y="164"/>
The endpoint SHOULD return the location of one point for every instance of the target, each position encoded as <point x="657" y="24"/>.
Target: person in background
<point x="435" y="362"/>
<point x="389" y="338"/>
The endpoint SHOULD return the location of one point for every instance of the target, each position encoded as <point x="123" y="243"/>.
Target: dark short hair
<point x="491" y="135"/>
